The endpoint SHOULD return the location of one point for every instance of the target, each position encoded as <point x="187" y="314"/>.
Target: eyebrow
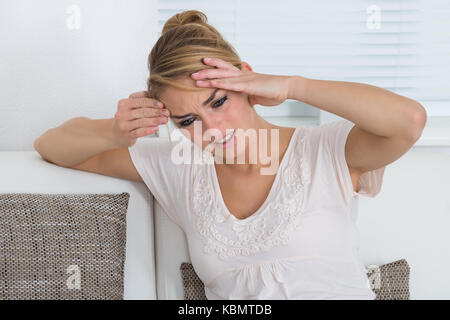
<point x="211" y="97"/>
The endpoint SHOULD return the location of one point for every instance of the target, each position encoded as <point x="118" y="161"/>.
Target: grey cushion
<point x="389" y="281"/>
<point x="193" y="287"/>
<point x="62" y="246"/>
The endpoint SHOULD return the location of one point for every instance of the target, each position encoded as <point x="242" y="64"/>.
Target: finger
<point x="219" y="63"/>
<point x="214" y="73"/>
<point x="145" y="123"/>
<point x="125" y="104"/>
<point x="141" y="132"/>
<point x="227" y="84"/>
<point x="131" y="114"/>
<point x="147" y="112"/>
<point x="140" y="94"/>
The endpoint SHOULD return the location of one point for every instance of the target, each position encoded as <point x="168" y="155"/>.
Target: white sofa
<point x="410" y="219"/>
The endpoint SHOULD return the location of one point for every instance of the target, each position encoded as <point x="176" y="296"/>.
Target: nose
<point x="214" y="124"/>
<point x="210" y="123"/>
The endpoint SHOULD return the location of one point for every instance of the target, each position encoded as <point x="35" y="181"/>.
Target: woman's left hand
<point x="263" y="89"/>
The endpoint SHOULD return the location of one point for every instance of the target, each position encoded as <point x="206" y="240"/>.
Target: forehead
<point x="179" y="100"/>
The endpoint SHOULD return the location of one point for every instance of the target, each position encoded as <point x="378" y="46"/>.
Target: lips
<point x="226" y="138"/>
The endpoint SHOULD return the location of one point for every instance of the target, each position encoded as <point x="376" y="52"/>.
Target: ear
<point x="245" y="66"/>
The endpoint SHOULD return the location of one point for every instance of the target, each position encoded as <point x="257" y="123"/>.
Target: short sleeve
<point x="152" y="159"/>
<point x="329" y="142"/>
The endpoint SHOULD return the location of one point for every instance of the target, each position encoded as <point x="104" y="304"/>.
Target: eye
<point x="186" y="122"/>
<point x="220" y="102"/>
<point x="216" y="104"/>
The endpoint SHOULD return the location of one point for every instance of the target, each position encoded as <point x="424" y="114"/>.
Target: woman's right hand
<point x="137" y="116"/>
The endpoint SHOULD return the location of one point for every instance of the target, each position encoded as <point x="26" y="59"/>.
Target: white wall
<point x="50" y="73"/>
<point x="410" y="219"/>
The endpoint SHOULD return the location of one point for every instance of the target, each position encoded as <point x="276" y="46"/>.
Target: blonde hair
<point x="186" y="38"/>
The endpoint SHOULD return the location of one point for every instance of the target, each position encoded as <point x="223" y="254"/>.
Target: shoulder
<point x="155" y="148"/>
<point x="154" y="142"/>
<point x="160" y="156"/>
<point x="328" y="137"/>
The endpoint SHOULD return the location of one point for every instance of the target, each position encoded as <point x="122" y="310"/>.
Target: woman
<point x="285" y="234"/>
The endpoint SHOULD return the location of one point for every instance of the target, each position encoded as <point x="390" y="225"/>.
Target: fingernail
<point x="195" y="74"/>
<point x="207" y="59"/>
<point x="165" y="112"/>
<point x="159" y="104"/>
<point x="162" y="120"/>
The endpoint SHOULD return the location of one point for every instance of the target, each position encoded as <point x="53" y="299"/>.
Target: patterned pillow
<point x="193" y="287"/>
<point x="389" y="281"/>
<point x="62" y="246"/>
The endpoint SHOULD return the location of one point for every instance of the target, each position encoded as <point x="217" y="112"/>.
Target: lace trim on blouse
<point x="273" y="226"/>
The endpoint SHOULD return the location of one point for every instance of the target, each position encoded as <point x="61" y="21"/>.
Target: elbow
<point x="418" y="121"/>
<point x="36" y="145"/>
<point x="39" y="146"/>
<point x="40" y="142"/>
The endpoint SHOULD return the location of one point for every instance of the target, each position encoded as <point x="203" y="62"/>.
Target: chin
<point x="232" y="159"/>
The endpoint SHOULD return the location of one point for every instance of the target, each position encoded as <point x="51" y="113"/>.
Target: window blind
<point x="402" y="46"/>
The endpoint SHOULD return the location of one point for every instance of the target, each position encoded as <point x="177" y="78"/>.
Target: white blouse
<point x="302" y="243"/>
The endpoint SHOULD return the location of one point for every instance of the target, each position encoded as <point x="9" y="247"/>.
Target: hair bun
<point x="185" y="17"/>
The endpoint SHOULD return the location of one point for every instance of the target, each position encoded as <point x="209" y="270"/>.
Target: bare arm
<point x="80" y="139"/>
<point x="76" y="140"/>
<point x="386" y="124"/>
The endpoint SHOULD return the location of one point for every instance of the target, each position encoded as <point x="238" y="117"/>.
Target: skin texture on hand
<point x="263" y="89"/>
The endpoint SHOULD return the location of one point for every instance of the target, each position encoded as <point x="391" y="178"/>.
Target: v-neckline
<point x="271" y="191"/>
